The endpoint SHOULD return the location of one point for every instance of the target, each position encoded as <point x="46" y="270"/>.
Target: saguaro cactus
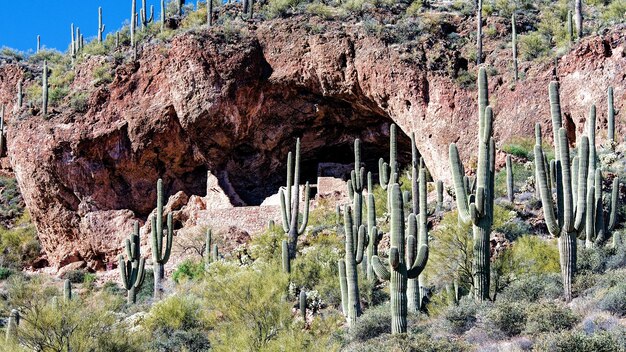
<point x="20" y="94"/>
<point x="38" y="43"/>
<point x="509" y="179"/>
<point x="211" y="251"/>
<point x="285" y="257"/>
<point x="67" y="290"/>
<point x="479" y="32"/>
<point x="209" y="12"/>
<point x="44" y="86"/>
<point x="14" y="322"/>
<point x="2" y="142"/>
<point x="578" y="13"/>
<point x="132" y="270"/>
<point x="400" y="268"/>
<point x="356" y="184"/>
<point x="133" y="22"/>
<point x="303" y="304"/>
<point x="388" y="173"/>
<point x="571" y="219"/>
<point x="416" y="289"/>
<point x="290" y="203"/>
<point x="343" y="285"/>
<point x="374" y="236"/>
<point x="478" y="209"/>
<point x="514" y="46"/>
<point x="610" y="117"/>
<point x="160" y="254"/>
<point x="355" y="244"/>
<point x="570" y="26"/>
<point x="599" y="224"/>
<point x="143" y="15"/>
<point x="101" y="26"/>
<point x="439" y="187"/>
<point x="162" y="15"/>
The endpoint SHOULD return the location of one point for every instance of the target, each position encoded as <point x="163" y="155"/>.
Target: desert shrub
<point x="415" y="341"/>
<point x="177" y="323"/>
<point x="281" y="8"/>
<point x="534" y="255"/>
<point x="79" y="102"/>
<point x="147" y="289"/>
<point x="5" y="273"/>
<point x="12" y="204"/>
<point x="18" y="245"/>
<point x="374" y="322"/>
<point x="614" y="11"/>
<point x="533" y="45"/>
<point x="465" y="78"/>
<point x="552" y="25"/>
<point x="531" y="288"/>
<point x="415" y="8"/>
<point x="614" y="300"/>
<point x="75" y="276"/>
<point x="549" y="317"/>
<point x="592" y="259"/>
<point x="52" y="56"/>
<point x="575" y="341"/>
<point x="94" y="48"/>
<point x="462" y="317"/>
<point x="102" y="75"/>
<point x="520" y="147"/>
<point x="509" y="317"/>
<point x="267" y="246"/>
<point x="188" y="270"/>
<point x="324" y="11"/>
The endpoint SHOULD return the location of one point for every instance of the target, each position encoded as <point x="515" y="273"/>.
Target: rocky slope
<point x="232" y="104"/>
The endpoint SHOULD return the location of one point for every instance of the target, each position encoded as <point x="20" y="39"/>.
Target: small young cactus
<point x="67" y="290"/>
<point x="290" y="203"/>
<point x="160" y="253"/>
<point x="303" y="304"/>
<point x="20" y="94"/>
<point x="132" y="270"/>
<point x="13" y="323"/>
<point x="101" y="26"/>
<point x="439" y="187"/>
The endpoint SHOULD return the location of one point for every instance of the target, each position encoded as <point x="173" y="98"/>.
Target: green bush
<point x="281" y="8"/>
<point x="615" y="300"/>
<point x="188" y="270"/>
<point x="575" y="341"/>
<point x="534" y="255"/>
<point x="615" y="11"/>
<point x="5" y="273"/>
<point x="102" y="75"/>
<point x="520" y="147"/>
<point x="549" y="317"/>
<point x="19" y="245"/>
<point x="79" y="102"/>
<point x="374" y="322"/>
<point x="530" y="288"/>
<point x="75" y="276"/>
<point x="462" y="317"/>
<point x="509" y="317"/>
<point x="533" y="45"/>
<point x="414" y="341"/>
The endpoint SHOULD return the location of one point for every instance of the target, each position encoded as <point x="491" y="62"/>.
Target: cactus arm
<point x="170" y="237"/>
<point x="129" y="249"/>
<point x="284" y="211"/>
<point x="614" y="204"/>
<point x="383" y="174"/>
<point x="581" y="183"/>
<point x="394" y="258"/>
<point x="361" y="243"/>
<point x="123" y="273"/>
<point x="285" y="257"/>
<point x="289" y="187"/>
<point x="156" y="250"/>
<point x="589" y="218"/>
<point x="305" y="214"/>
<point x="380" y="269"/>
<point x="459" y="187"/>
<point x="420" y="262"/>
<point x="350" y="187"/>
<point x="566" y="182"/>
<point x="141" y="273"/>
<point x="546" y="194"/>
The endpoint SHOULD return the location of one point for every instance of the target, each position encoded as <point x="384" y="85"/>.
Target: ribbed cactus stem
<point x="355" y="242"/>
<point x="12" y="324"/>
<point x="479" y="32"/>
<point x="285" y="257"/>
<point x="160" y="251"/>
<point x="101" y="26"/>
<point x="210" y="12"/>
<point x="303" y="305"/>
<point x="143" y="15"/>
<point x="343" y="285"/>
<point x="509" y="179"/>
<point x="610" y="117"/>
<point x="2" y="142"/>
<point x="514" y="46"/>
<point x="357" y="184"/>
<point x="591" y="133"/>
<point x="215" y="254"/>
<point x="67" y="290"/>
<point x="44" y="86"/>
<point x="133" y="22"/>
<point x="388" y="173"/>
<point x="439" y="188"/>
<point x="250" y="9"/>
<point x="555" y="113"/>
<point x="399" y="270"/>
<point x="372" y="232"/>
<point x="38" y="43"/>
<point x="132" y="270"/>
<point x="570" y="26"/>
<point x="578" y="19"/>
<point x="289" y="203"/>
<point x="20" y="94"/>
<point x="73" y="43"/>
<point x="162" y="15"/>
<point x="208" y="241"/>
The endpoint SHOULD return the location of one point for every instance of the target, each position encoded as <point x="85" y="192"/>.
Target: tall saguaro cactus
<point x="356" y="184"/>
<point x="160" y="251"/>
<point x="570" y="26"/>
<point x="578" y="13"/>
<point x="478" y="209"/>
<point x="143" y="15"/>
<point x="599" y="224"/>
<point x="209" y="12"/>
<point x="290" y="203"/>
<point x="100" y="25"/>
<point x="44" y="86"/>
<point x="509" y="179"/>
<point x="416" y="289"/>
<point x="610" y="117"/>
<point x="132" y="270"/>
<point x="479" y="32"/>
<point x="374" y="236"/>
<point x="570" y="219"/>
<point x="355" y="241"/>
<point x="400" y="268"/>
<point x="2" y="142"/>
<point x="162" y="15"/>
<point x="133" y="22"/>
<point x="514" y="46"/>
<point x="20" y="94"/>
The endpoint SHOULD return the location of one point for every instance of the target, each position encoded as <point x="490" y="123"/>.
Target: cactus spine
<point x="160" y="254"/>
<point x="290" y="202"/>
<point x="509" y="179"/>
<point x="355" y="244"/>
<point x="100" y="25"/>
<point x="13" y="323"/>
<point x="67" y="290"/>
<point x="132" y="270"/>
<point x="514" y="46"/>
<point x="388" y="173"/>
<point x="610" y="117"/>
<point x="570" y="216"/>
<point x="401" y="269"/>
<point x="478" y="209"/>
<point x="143" y="15"/>
<point x="44" y="94"/>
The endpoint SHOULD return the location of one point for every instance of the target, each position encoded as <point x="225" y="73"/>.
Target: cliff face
<point x="233" y="105"/>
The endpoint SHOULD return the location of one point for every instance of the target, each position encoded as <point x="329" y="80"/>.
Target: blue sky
<point x="23" y="20"/>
